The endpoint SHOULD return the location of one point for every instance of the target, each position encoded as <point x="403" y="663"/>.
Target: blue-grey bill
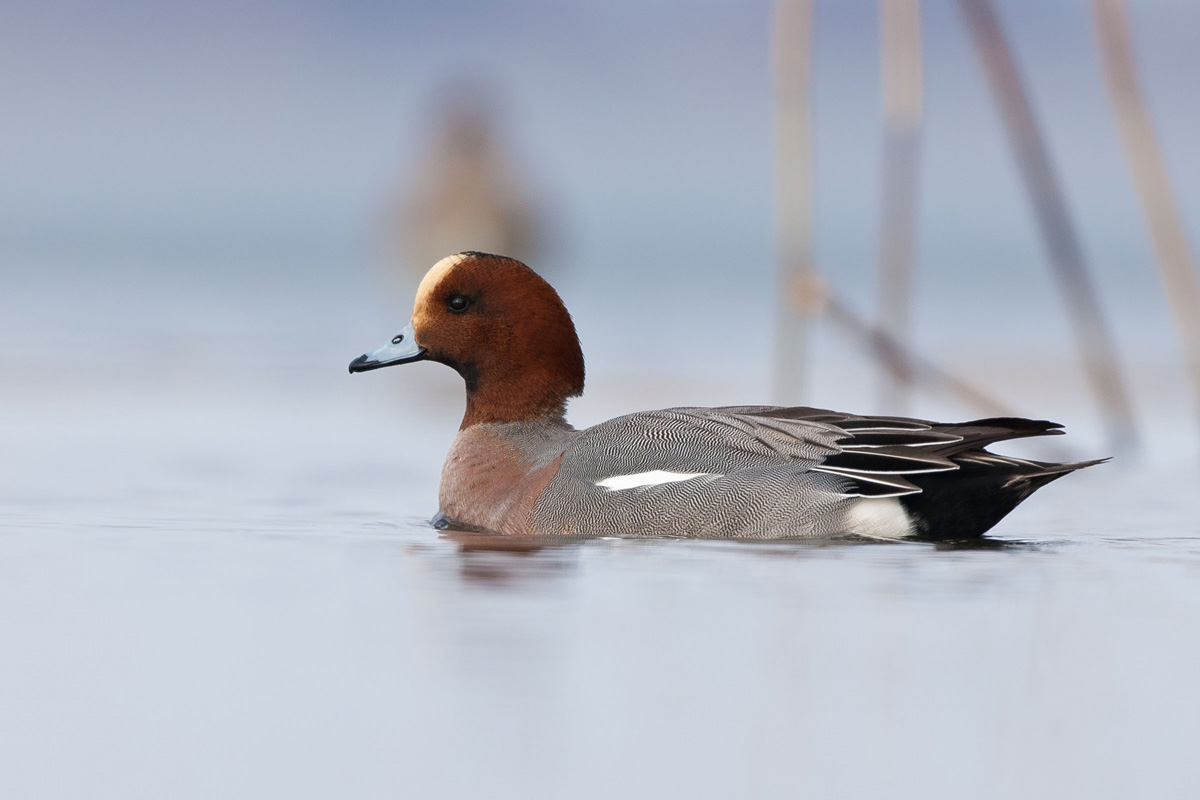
<point x="402" y="349"/>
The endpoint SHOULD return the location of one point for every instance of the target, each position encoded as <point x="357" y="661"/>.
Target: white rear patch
<point x="654" y="477"/>
<point x="878" y="518"/>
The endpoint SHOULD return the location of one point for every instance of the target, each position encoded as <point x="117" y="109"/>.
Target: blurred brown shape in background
<point x="465" y="193"/>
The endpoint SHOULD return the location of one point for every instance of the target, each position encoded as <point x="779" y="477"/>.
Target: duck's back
<point x="772" y="472"/>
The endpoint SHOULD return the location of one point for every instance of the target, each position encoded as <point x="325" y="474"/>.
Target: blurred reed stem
<point x="1095" y="343"/>
<point x="906" y="368"/>
<point x="900" y="67"/>
<point x="792" y="64"/>
<point x="1151" y="180"/>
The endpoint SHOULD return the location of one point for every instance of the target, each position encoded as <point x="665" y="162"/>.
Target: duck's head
<point x="502" y="327"/>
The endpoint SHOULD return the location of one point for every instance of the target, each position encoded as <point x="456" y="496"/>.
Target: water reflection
<point x="506" y="561"/>
<point x="513" y="562"/>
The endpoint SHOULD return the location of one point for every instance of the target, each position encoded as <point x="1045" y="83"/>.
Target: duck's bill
<point x="402" y="349"/>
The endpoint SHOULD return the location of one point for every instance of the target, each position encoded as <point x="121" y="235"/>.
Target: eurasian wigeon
<point x="517" y="466"/>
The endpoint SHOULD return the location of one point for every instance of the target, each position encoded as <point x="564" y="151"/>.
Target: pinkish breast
<point x="492" y="477"/>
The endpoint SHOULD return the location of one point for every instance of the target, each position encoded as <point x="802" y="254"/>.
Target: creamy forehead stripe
<point x="436" y="273"/>
<point x="654" y="477"/>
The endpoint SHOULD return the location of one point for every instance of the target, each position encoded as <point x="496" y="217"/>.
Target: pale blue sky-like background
<point x="240" y="160"/>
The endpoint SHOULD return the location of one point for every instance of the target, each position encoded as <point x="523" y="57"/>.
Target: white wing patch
<point x="654" y="477"/>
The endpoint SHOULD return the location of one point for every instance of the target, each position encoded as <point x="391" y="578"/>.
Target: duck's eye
<point x="458" y="303"/>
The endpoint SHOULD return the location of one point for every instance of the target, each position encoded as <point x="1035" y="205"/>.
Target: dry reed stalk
<point x="1095" y="344"/>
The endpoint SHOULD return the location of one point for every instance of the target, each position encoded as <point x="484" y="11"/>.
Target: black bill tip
<point x="367" y="362"/>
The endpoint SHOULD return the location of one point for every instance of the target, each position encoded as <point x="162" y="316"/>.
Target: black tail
<point x="967" y="502"/>
<point x="942" y="473"/>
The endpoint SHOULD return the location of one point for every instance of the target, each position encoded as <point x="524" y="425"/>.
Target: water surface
<point x="215" y="582"/>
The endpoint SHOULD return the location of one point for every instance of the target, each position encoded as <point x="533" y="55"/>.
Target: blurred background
<point x="207" y="210"/>
<point x="252" y="184"/>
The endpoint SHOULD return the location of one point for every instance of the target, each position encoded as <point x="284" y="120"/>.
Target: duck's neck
<point x="528" y="396"/>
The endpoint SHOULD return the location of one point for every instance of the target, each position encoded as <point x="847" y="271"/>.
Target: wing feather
<point x="871" y="455"/>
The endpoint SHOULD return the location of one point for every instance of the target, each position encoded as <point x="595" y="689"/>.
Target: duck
<point x="516" y="467"/>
